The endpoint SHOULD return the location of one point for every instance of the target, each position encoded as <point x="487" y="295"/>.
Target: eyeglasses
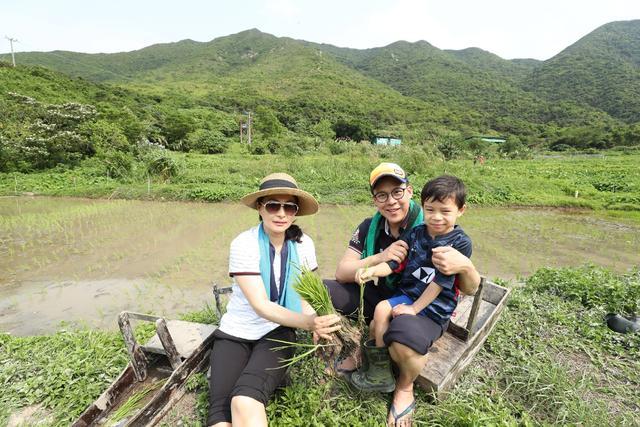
<point x="396" y="193"/>
<point x="273" y="207"/>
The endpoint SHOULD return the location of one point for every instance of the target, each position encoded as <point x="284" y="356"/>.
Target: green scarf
<point x="415" y="217"/>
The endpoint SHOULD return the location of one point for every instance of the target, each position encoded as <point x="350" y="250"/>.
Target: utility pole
<point x="249" y="129"/>
<point x="13" y="57"/>
<point x="241" y="127"/>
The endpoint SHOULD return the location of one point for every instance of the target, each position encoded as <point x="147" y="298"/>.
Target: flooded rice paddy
<point x="83" y="261"/>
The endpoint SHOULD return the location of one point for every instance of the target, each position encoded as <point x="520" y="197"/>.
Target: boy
<point x="423" y="290"/>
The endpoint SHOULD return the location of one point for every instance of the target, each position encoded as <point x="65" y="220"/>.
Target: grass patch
<point x="550" y="360"/>
<point x="607" y="182"/>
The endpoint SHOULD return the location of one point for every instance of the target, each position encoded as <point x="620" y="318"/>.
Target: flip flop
<point x="408" y="412"/>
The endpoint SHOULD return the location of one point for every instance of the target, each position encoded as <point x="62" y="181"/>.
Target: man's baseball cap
<point x="387" y="169"/>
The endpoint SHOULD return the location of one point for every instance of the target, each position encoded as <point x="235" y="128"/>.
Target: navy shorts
<point x="416" y="332"/>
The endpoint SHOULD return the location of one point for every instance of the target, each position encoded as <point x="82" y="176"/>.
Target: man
<point x="376" y="241"/>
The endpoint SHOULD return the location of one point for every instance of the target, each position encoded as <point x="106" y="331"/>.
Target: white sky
<point x="511" y="29"/>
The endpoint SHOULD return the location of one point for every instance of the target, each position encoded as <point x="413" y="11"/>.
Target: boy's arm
<point x="363" y="275"/>
<point x="455" y="261"/>
<point x="428" y="295"/>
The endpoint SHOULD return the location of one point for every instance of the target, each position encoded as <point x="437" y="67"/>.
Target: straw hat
<point x="281" y="184"/>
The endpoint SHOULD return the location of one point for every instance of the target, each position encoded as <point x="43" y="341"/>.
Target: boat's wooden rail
<point x="178" y="350"/>
<point x="470" y="326"/>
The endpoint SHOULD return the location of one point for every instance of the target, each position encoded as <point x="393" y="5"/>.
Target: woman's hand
<point x="322" y="326"/>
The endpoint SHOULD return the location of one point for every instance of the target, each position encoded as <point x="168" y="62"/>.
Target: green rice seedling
<point x="132" y="404"/>
<point x="346" y="339"/>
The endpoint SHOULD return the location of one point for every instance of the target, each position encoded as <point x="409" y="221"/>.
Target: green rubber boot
<point x="375" y="374"/>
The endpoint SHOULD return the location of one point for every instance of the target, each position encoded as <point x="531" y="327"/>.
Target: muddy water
<point x="82" y="261"/>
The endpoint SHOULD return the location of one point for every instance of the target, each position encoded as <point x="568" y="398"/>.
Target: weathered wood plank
<point x="167" y="343"/>
<point x="187" y="336"/>
<point x="191" y="334"/>
<point x="477" y="301"/>
<point x="494" y="294"/>
<point x="449" y="356"/>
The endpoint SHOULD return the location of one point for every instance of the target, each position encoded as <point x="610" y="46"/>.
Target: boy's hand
<point x="363" y="275"/>
<point x="449" y="261"/>
<point x="403" y="309"/>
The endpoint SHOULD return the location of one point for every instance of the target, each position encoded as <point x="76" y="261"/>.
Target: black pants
<point x="242" y="367"/>
<point x="345" y="297"/>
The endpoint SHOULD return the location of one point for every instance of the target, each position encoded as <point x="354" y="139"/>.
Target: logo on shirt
<point x="424" y="274"/>
<point x="355" y="238"/>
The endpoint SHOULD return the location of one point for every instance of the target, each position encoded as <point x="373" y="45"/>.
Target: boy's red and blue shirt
<point x="418" y="270"/>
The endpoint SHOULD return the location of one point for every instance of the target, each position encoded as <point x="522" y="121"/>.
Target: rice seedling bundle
<point x="346" y="339"/>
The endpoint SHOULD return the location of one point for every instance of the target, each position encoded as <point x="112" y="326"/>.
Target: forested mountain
<point x="413" y="90"/>
<point x="470" y="79"/>
<point x="601" y="69"/>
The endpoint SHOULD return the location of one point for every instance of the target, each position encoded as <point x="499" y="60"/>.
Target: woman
<point x="263" y="262"/>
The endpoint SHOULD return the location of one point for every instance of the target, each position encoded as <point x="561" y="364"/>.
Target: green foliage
<point x="175" y="127"/>
<point x="449" y="148"/>
<point x="46" y="135"/>
<point x="340" y="146"/>
<point x="413" y="90"/>
<point x="64" y="372"/>
<point x="266" y="122"/>
<point x="592" y="287"/>
<point x="354" y="130"/>
<point x="323" y="130"/>
<point x="162" y="165"/>
<point x="207" y="141"/>
<point x="581" y="138"/>
<point x="258" y="148"/>
<point x="593" y="182"/>
<point x="106" y="135"/>
<point x="116" y="163"/>
<point x="600" y="70"/>
<point x="311" y="289"/>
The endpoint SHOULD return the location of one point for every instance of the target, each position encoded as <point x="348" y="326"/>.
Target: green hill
<point x="416" y="91"/>
<point x="602" y="70"/>
<point x="468" y="80"/>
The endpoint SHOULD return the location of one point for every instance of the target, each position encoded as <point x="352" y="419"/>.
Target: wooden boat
<point x="155" y="375"/>
<point x="470" y="326"/>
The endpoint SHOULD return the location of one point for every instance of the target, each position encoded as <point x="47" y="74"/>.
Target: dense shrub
<point x="208" y="141"/>
<point x="48" y="135"/>
<point x="161" y="164"/>
<point x="117" y="163"/>
<point x="106" y="136"/>
<point x="257" y="147"/>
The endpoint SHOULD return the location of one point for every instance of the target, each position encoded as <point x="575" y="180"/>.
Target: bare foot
<point x="403" y="399"/>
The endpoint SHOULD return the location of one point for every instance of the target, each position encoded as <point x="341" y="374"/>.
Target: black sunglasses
<point x="273" y="207"/>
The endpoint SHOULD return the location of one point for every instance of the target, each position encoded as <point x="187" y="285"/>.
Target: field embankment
<point x="609" y="181"/>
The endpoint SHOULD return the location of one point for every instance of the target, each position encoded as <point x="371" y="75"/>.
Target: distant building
<point x="496" y="139"/>
<point x="386" y="140"/>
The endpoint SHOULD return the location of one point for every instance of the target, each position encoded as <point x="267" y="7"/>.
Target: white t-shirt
<point x="241" y="320"/>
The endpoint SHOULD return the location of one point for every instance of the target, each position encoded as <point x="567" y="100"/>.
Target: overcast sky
<point x="511" y="29"/>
